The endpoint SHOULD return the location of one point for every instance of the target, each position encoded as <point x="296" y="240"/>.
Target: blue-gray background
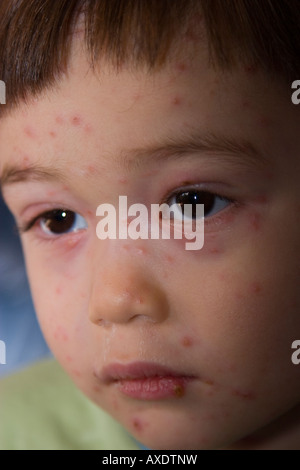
<point x="18" y="325"/>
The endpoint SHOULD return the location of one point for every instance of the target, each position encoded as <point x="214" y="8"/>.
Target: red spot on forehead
<point x="30" y="132"/>
<point x="59" y="119"/>
<point x="181" y="67"/>
<point x="76" y="120"/>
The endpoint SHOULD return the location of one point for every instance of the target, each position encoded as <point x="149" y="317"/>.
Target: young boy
<point x="161" y="102"/>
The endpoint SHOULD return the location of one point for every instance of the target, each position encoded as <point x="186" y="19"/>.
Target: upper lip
<point x="137" y="370"/>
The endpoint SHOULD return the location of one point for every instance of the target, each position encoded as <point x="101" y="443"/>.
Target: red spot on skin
<point x="50" y="193"/>
<point x="91" y="169"/>
<point x="96" y="389"/>
<point x="69" y="359"/>
<point x="209" y="382"/>
<point x="138" y="425"/>
<point x="247" y="396"/>
<point x="26" y="160"/>
<point x="115" y="404"/>
<point x="255" y="221"/>
<point x="88" y="128"/>
<point x="52" y="134"/>
<point x="181" y="67"/>
<point x="177" y="101"/>
<point x="122" y="180"/>
<point x="215" y="251"/>
<point x="255" y="288"/>
<point x="60" y="334"/>
<point x="29" y="131"/>
<point x="76" y="373"/>
<point x="170" y="259"/>
<point x="251" y="69"/>
<point x="187" y="342"/>
<point x="76" y="120"/>
<point x="59" y="290"/>
<point x="59" y="119"/>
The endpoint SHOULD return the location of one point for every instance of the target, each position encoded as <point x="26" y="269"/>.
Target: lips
<point x="146" y="381"/>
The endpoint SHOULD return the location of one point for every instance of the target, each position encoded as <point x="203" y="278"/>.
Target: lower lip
<point x="153" y="388"/>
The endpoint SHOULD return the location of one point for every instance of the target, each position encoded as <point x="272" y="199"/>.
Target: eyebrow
<point x="234" y="151"/>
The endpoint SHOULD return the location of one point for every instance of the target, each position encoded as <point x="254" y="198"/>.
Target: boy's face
<point x="212" y="328"/>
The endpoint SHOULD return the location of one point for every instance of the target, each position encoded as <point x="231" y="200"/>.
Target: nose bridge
<point x="123" y="288"/>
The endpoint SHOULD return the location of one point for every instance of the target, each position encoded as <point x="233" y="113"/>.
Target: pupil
<point x="60" y="221"/>
<point x="193" y="198"/>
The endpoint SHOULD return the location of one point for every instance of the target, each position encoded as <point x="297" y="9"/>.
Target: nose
<point x="123" y="291"/>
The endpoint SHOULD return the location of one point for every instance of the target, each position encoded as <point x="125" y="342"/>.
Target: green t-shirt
<point x="41" y="409"/>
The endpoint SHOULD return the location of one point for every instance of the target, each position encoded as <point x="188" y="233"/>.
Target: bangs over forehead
<point x="36" y="35"/>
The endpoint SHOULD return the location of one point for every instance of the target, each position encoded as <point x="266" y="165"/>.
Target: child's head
<point x="186" y="100"/>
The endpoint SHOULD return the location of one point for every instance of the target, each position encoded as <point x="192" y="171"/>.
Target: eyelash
<point x="188" y="187"/>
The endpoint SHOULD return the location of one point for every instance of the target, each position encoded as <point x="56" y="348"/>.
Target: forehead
<point x="105" y="111"/>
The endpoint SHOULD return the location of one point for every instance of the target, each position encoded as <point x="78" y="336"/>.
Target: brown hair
<point x="35" y="36"/>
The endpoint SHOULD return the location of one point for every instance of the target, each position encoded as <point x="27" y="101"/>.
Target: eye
<point x="212" y="203"/>
<point x="59" y="222"/>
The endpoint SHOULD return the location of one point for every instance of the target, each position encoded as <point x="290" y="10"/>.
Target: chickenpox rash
<point x="76" y="120"/>
<point x="30" y="132"/>
<point x="187" y="342"/>
<point x="138" y="425"/>
<point x="243" y="395"/>
<point x="58" y="290"/>
<point x="177" y="101"/>
<point x="255" y="288"/>
<point x="60" y="334"/>
<point x="255" y="221"/>
<point x="52" y="134"/>
<point x="181" y="67"/>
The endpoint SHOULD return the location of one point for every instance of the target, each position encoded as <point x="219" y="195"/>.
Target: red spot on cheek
<point x="187" y="342"/>
<point x="52" y="134"/>
<point x="177" y="101"/>
<point x="255" y="221"/>
<point x="60" y="334"/>
<point x="170" y="259"/>
<point x="247" y="396"/>
<point x="69" y="359"/>
<point x="255" y="288"/>
<point x="181" y="67"/>
<point x="215" y="251"/>
<point x="122" y="181"/>
<point x="76" y="373"/>
<point x="58" y="290"/>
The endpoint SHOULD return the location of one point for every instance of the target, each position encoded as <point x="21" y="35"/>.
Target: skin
<point x="226" y="314"/>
